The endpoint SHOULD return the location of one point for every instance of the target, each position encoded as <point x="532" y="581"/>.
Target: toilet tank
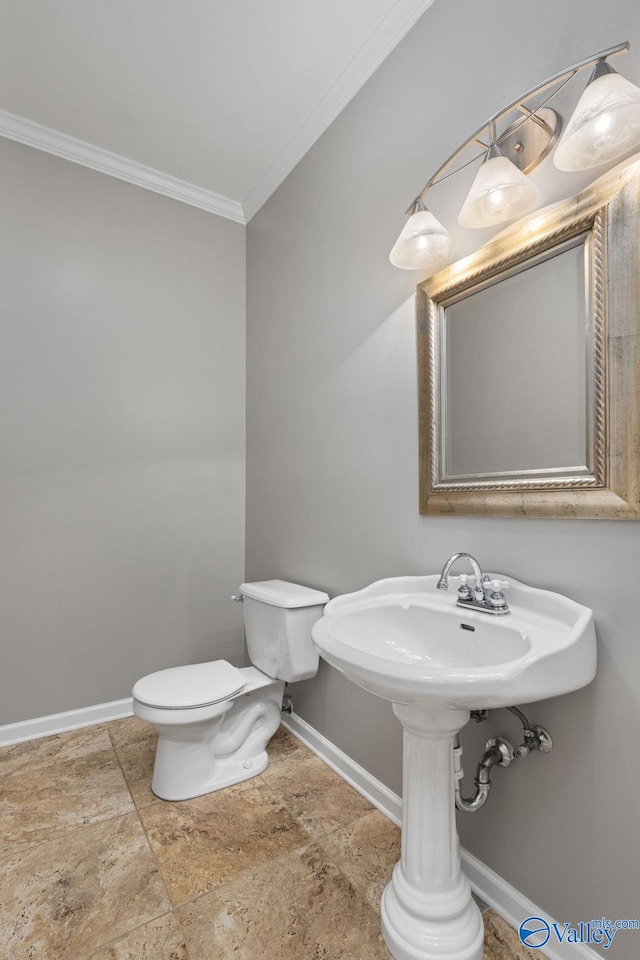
<point x="278" y="617"/>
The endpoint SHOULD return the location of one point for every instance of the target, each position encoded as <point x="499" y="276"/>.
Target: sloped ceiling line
<point x="391" y="29"/>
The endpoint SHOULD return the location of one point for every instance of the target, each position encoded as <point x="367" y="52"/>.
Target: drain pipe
<point x="499" y="752"/>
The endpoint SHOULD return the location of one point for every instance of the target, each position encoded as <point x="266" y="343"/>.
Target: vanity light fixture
<point x="423" y="242"/>
<point x="604" y="127"/>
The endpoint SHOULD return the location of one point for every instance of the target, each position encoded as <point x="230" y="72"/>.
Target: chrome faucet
<point x="486" y="596"/>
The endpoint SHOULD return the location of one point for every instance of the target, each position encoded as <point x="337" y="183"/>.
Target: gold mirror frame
<point x="608" y="214"/>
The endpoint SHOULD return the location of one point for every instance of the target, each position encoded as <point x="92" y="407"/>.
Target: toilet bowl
<point x="214" y="720"/>
<point x="205" y="747"/>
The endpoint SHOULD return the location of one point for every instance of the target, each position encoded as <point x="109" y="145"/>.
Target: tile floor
<point x="287" y="866"/>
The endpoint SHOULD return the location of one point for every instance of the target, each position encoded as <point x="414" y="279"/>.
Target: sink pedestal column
<point x="427" y="912"/>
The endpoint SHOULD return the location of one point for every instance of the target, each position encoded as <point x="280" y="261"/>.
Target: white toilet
<point x="214" y="720"/>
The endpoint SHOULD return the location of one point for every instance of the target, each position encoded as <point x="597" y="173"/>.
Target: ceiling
<point x="223" y="96"/>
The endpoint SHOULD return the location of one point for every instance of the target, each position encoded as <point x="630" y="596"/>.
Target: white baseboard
<point x="62" y="722"/>
<point x="508" y="902"/>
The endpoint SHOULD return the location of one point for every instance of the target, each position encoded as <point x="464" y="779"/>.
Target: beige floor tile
<point x="63" y="897"/>
<point x="366" y="851"/>
<point x="301" y="908"/>
<point x="160" y="939"/>
<point x="129" y="730"/>
<point x="202" y="843"/>
<point x="60" y="747"/>
<point x="285" y="748"/>
<point x="135" y="744"/>
<point x="316" y="796"/>
<point x="501" y="941"/>
<point x="50" y="786"/>
<point x="79" y="882"/>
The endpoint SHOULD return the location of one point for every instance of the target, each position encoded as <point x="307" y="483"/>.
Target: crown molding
<point x="389" y="32"/>
<point x="61" y="145"/>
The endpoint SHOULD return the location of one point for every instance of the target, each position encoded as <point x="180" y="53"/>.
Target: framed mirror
<point x="529" y="365"/>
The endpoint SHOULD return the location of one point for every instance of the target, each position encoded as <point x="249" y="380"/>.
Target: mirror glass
<point x="516" y="361"/>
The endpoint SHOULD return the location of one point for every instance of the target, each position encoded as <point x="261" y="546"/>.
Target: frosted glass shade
<point x="499" y="193"/>
<point x="422" y="243"/>
<point x="604" y="126"/>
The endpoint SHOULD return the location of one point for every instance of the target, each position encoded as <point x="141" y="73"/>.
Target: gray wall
<point x="332" y="445"/>
<point x="122" y="434"/>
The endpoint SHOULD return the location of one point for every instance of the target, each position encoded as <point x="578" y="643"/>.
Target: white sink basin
<point x="408" y="642"/>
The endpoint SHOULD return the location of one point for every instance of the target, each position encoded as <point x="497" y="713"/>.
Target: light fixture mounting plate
<point x="527" y="142"/>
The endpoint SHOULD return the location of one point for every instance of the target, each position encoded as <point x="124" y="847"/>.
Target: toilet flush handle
<point x="238" y="598"/>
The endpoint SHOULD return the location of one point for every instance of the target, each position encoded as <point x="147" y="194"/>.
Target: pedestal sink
<point x="405" y="641"/>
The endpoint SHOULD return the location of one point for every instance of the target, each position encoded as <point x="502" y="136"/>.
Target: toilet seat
<point x="194" y="685"/>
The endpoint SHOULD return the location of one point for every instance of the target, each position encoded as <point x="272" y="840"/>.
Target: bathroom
<point x="191" y="402"/>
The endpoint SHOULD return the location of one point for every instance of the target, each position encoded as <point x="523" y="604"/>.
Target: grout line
<point x="19" y="847"/>
<point x="344" y="826"/>
<point x="297" y="851"/>
<point x="52" y="837"/>
<point x="333" y="830"/>
<point x="58" y="833"/>
<point x="172" y="909"/>
<point x="317" y="841"/>
<point x="273" y="859"/>
<point x="106" y="943"/>
<point x="283" y="857"/>
<point x="152" y="851"/>
<point x="144" y="829"/>
<point x="351" y="882"/>
<point x="360" y="893"/>
<point x="124" y="776"/>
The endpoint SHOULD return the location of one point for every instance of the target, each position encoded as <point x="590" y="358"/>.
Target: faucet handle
<point x="496" y="596"/>
<point x="464" y="591"/>
<point x="496" y="585"/>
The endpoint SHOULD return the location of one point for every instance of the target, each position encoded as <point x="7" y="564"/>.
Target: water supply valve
<point x="499" y="752"/>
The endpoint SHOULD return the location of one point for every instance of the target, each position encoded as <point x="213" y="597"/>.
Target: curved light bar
<point x="501" y="189"/>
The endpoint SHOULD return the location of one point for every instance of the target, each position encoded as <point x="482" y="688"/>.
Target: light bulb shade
<point x="604" y="126"/>
<point x="499" y="193"/>
<point x="422" y="243"/>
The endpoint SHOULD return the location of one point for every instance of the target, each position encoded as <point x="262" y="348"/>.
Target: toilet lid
<point x="194" y="685"/>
